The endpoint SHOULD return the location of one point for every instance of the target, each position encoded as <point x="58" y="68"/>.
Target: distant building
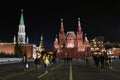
<point x="41" y="46"/>
<point x="71" y="44"/>
<point x="20" y="44"/>
<point x="100" y="38"/>
<point x="40" y="49"/>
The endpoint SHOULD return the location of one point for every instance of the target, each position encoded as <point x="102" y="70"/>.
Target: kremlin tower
<point x="21" y="31"/>
<point x="61" y="35"/>
<point x="41" y="46"/>
<point x="56" y="44"/>
<point x="79" y="37"/>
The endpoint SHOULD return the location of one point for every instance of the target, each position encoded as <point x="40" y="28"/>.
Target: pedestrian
<point x="110" y="61"/>
<point x="102" y="59"/>
<point x="37" y="63"/>
<point x="96" y="59"/>
<point x="25" y="62"/>
<point x="46" y="63"/>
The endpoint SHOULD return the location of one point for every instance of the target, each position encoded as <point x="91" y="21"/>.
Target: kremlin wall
<point x="20" y="43"/>
<point x="11" y="49"/>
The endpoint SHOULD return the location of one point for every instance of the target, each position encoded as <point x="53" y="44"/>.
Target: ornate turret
<point x="21" y="31"/>
<point x="41" y="41"/>
<point x="14" y="40"/>
<point x="86" y="39"/>
<point x="79" y="25"/>
<point x="61" y="34"/>
<point x="56" y="44"/>
<point x="79" y="32"/>
<point x="41" y="46"/>
<point x="62" y="27"/>
<point x="56" y="39"/>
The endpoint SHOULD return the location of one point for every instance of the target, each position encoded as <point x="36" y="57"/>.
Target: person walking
<point x="37" y="63"/>
<point x="46" y="63"/>
<point x="25" y="62"/>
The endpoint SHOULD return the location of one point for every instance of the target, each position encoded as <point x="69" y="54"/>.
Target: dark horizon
<point x="43" y="18"/>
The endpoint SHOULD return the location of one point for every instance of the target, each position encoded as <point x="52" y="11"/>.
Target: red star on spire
<point x="22" y="10"/>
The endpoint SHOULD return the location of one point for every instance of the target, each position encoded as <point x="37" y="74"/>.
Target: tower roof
<point x="21" y="18"/>
<point x="56" y="39"/>
<point x="41" y="42"/>
<point x="79" y="25"/>
<point x="86" y="39"/>
<point x="61" y="28"/>
<point x="72" y="33"/>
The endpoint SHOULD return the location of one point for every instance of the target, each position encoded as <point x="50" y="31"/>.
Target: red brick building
<point x="71" y="44"/>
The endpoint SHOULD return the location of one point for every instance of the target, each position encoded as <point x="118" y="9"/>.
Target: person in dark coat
<point x="37" y="63"/>
<point x="96" y="59"/>
<point x="102" y="59"/>
<point x="25" y="62"/>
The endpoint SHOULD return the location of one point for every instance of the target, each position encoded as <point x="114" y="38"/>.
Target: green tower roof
<point x="41" y="41"/>
<point x="21" y="18"/>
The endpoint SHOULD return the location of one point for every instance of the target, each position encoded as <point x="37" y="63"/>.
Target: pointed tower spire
<point x="21" y="18"/>
<point x="41" y="41"/>
<point x="14" y="40"/>
<point x="56" y="45"/>
<point x="86" y="39"/>
<point x="62" y="27"/>
<point x="79" y="25"/>
<point x="56" y="39"/>
<point x="41" y="46"/>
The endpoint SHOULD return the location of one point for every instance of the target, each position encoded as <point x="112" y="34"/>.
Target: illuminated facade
<point x="71" y="44"/>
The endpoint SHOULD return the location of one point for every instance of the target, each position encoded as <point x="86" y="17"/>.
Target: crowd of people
<point x="102" y="60"/>
<point x="45" y="60"/>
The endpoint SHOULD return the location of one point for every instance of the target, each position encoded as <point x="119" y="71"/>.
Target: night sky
<point x="97" y="19"/>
